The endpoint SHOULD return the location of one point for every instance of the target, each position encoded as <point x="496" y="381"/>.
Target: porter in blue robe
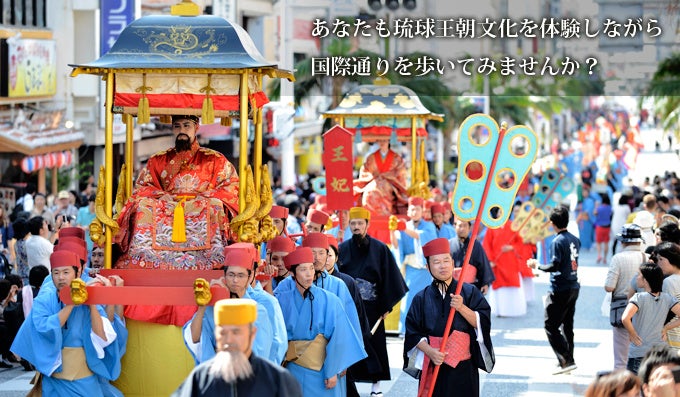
<point x="446" y="231"/>
<point x="320" y="312"/>
<point x="204" y="350"/>
<point x="279" y="342"/>
<point x="41" y="339"/>
<point x="338" y="288"/>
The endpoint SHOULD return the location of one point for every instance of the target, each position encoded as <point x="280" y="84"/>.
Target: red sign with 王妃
<point x="337" y="159"/>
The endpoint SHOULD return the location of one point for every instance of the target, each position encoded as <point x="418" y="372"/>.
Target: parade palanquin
<point x="171" y="226"/>
<point x="388" y="115"/>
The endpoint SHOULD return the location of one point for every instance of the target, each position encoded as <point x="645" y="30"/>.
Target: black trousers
<point x="559" y="324"/>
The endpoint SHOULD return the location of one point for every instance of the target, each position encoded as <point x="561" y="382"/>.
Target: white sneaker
<point x="566" y="369"/>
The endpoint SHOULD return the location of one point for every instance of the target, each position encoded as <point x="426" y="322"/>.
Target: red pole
<point x="468" y="254"/>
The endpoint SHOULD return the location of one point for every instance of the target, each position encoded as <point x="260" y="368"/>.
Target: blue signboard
<point x="115" y="16"/>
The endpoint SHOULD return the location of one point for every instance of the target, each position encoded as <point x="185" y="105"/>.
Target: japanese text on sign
<point x="427" y="65"/>
<point x="470" y="28"/>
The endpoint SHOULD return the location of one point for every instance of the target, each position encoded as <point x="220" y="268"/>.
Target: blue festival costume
<point x="320" y="312"/>
<point x="204" y="349"/>
<point x="446" y="231"/>
<point x="279" y="342"/>
<point x="41" y="339"/>
<point x="335" y="286"/>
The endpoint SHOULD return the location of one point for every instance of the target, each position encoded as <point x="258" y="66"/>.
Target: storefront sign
<point x="337" y="159"/>
<point x="32" y="68"/>
<point x="115" y="16"/>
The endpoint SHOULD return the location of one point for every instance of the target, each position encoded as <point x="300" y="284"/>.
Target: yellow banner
<point x="32" y="67"/>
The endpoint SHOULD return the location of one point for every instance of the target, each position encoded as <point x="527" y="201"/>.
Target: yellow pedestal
<point x="156" y="361"/>
<point x="392" y="319"/>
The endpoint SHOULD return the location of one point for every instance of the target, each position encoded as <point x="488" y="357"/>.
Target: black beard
<point x="360" y="241"/>
<point x="182" y="145"/>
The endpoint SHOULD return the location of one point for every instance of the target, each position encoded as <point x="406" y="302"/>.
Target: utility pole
<point x="287" y="93"/>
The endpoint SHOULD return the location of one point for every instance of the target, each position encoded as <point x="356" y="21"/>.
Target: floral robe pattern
<point x="208" y="184"/>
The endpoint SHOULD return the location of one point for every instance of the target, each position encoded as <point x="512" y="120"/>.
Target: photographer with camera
<point x="63" y="210"/>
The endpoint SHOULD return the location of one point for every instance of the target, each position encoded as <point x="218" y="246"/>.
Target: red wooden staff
<point x="432" y="380"/>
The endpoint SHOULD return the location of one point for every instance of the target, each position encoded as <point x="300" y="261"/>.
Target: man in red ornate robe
<point x="382" y="181"/>
<point x="177" y="218"/>
<point x="199" y="180"/>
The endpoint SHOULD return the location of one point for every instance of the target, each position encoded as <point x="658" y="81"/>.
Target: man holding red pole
<point x="468" y="347"/>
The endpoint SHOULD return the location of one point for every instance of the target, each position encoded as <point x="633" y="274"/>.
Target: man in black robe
<point x="235" y="371"/>
<point x="478" y="258"/>
<point x="381" y="286"/>
<point x="469" y="343"/>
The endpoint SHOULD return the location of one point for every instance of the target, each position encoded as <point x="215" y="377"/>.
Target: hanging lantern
<point x="47" y="159"/>
<point x="68" y="158"/>
<point x="39" y="162"/>
<point x="27" y="165"/>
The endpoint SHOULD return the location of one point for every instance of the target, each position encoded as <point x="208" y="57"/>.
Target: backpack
<point x="5" y="266"/>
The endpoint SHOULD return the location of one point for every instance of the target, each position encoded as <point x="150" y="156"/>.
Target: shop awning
<point x="34" y="143"/>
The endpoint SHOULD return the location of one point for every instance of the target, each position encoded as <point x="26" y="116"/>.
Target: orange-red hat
<point x="278" y="212"/>
<point x="315" y="240"/>
<point x="428" y="203"/>
<point x="72" y="232"/>
<point x="317" y="216"/>
<point x="446" y="205"/>
<point x="74" y="240"/>
<point x="239" y="257"/>
<point x="248" y="247"/>
<point x="281" y="244"/>
<point x="64" y="258"/>
<point x="436" y="247"/>
<point x="300" y="255"/>
<point x="72" y="247"/>
<point x="332" y="241"/>
<point x="437" y="208"/>
<point x="416" y="201"/>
